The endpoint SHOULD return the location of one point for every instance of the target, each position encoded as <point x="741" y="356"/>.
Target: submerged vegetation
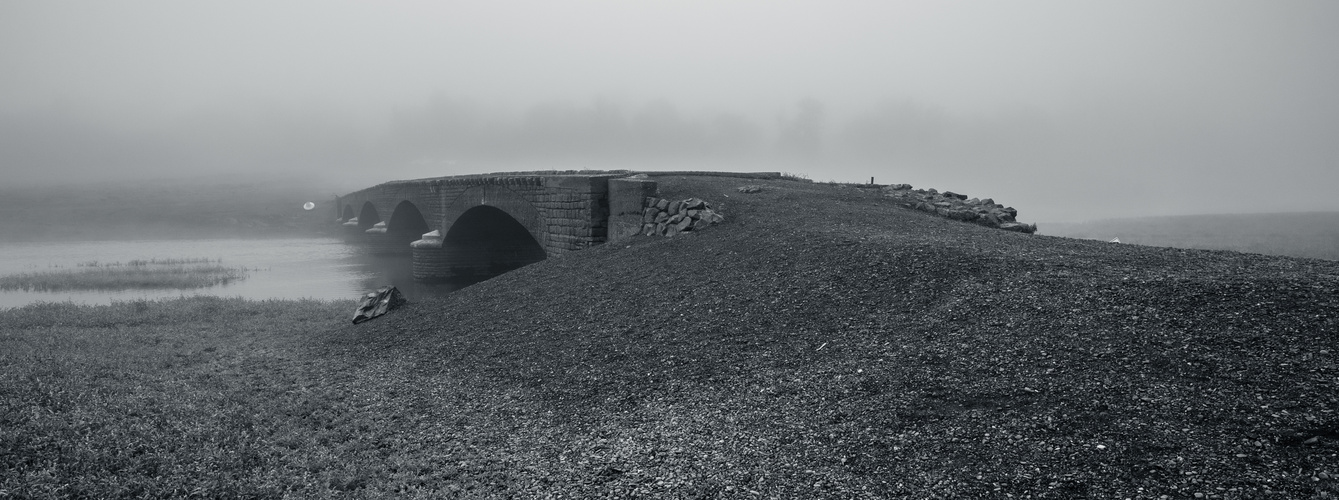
<point x="138" y="274"/>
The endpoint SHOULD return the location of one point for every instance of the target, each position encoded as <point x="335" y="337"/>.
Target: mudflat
<point x="821" y="342"/>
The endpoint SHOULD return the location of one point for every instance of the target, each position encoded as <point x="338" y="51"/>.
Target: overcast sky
<point x="1067" y="110"/>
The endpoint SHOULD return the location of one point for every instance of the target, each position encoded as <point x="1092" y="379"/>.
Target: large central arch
<point x="492" y="230"/>
<point x="486" y="241"/>
<point x="500" y="197"/>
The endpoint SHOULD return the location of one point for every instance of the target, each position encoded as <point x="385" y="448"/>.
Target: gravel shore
<point x="824" y="342"/>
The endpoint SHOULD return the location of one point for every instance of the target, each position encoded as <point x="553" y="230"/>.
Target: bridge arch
<point x="507" y="201"/>
<point x="368" y="216"/>
<point x="556" y="212"/>
<point x="486" y="241"/>
<point x="490" y="230"/>
<point x="406" y="222"/>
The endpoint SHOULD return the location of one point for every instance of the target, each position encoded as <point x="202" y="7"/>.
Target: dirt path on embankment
<point x="823" y="342"/>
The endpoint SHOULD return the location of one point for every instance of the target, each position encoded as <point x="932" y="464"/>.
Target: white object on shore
<point x="308" y="205"/>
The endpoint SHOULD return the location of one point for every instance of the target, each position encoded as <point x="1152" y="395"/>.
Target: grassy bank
<point x="821" y="343"/>
<point x="173" y="274"/>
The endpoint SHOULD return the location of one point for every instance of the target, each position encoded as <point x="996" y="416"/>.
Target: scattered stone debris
<point x="751" y="188"/>
<point x="957" y="206"/>
<point x="668" y="218"/>
<point x="378" y="303"/>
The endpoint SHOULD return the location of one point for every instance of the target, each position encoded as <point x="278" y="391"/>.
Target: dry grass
<point x="179" y="274"/>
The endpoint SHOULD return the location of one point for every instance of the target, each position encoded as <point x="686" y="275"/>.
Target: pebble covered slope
<point x="823" y="341"/>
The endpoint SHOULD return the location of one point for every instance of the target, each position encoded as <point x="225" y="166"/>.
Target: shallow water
<point x="316" y="268"/>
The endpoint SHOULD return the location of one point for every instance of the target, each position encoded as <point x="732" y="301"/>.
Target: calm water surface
<point x="317" y="268"/>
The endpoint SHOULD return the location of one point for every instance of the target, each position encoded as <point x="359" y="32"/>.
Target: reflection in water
<point x="381" y="268"/>
<point x="293" y="268"/>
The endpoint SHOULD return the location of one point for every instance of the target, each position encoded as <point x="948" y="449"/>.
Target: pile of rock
<point x="667" y="218"/>
<point x="956" y="206"/>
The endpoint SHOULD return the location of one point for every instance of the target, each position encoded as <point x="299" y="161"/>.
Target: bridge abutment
<point x="627" y="200"/>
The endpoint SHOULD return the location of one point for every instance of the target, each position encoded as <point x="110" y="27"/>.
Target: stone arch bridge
<point x="481" y="225"/>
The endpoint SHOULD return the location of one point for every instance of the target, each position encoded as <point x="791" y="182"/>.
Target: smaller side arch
<point x="347" y="213"/>
<point x="406" y="222"/>
<point x="368" y="216"/>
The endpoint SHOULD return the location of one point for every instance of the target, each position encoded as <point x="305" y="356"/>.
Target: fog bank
<point x="1067" y="111"/>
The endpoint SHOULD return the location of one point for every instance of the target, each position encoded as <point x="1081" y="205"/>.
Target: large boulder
<point x="378" y="303"/>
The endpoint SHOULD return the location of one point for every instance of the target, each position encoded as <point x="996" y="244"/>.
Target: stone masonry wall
<point x="564" y="212"/>
<point x="576" y="209"/>
<point x="627" y="200"/>
<point x="567" y="211"/>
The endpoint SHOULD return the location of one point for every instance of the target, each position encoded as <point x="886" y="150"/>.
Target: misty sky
<point x="1067" y="110"/>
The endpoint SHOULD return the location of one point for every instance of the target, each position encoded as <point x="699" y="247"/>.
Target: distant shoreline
<point x="1312" y="235"/>
<point x="184" y="210"/>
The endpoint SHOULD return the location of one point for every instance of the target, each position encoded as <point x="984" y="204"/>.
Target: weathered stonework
<point x="626" y="201"/>
<point x="958" y="207"/>
<point x="480" y="225"/>
<point x="484" y="224"/>
<point x="561" y="211"/>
